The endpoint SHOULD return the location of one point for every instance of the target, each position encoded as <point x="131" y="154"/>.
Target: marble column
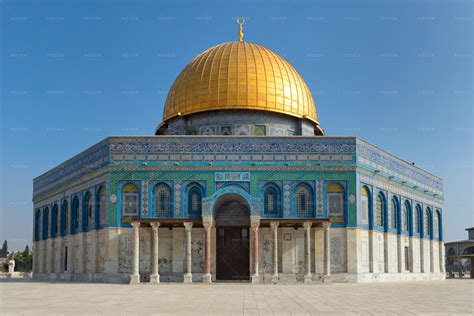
<point x="371" y="251"/>
<point x="385" y="253"/>
<point x="255" y="276"/>
<point x="274" y="226"/>
<point x="422" y="255"/>
<point x="135" y="276"/>
<point x="399" y="254"/>
<point x="97" y="248"/>
<point x="441" y="258"/>
<point x="188" y="277"/>
<point x="431" y="255"/>
<point x="207" y="278"/>
<point x="327" y="253"/>
<point x="155" y="276"/>
<point x="411" y="259"/>
<point x="307" y="234"/>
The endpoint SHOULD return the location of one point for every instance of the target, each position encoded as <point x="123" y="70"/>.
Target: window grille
<point x="130" y="200"/>
<point x="379" y="211"/>
<point x="364" y="205"/>
<point x="162" y="200"/>
<point x="302" y="201"/>
<point x="427" y="222"/>
<point x="394" y="213"/>
<point x="405" y="217"/>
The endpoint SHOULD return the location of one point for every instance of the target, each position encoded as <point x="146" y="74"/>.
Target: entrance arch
<point x="232" y="219"/>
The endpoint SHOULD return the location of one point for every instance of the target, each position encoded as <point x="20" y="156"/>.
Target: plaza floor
<point x="440" y="297"/>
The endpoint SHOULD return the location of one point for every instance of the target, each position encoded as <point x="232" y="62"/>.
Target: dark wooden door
<point x="232" y="258"/>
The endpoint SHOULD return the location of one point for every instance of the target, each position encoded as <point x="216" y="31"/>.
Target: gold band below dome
<point x="240" y="75"/>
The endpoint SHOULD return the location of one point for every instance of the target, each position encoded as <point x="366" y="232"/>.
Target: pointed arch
<point x="54" y="220"/>
<point x="394" y="213"/>
<point x="406" y="216"/>
<point x="271" y="199"/>
<point x="100" y="207"/>
<point x="380" y="207"/>
<point x="439" y="222"/>
<point x="162" y="200"/>
<point x="87" y="211"/>
<point x="130" y="200"/>
<point x="303" y="195"/>
<point x="417" y="220"/>
<point x="37" y="224"/>
<point x="75" y="214"/>
<point x="45" y="229"/>
<point x="335" y="199"/>
<point x="194" y="193"/>
<point x="427" y="229"/>
<point x="365" y="204"/>
<point x="64" y="217"/>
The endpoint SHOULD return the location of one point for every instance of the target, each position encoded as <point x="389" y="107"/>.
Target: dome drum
<point x="240" y="76"/>
<point x="237" y="122"/>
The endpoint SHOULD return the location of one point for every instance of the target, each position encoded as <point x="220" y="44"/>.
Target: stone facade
<point x="93" y="240"/>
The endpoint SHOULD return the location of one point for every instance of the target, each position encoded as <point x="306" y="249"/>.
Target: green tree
<point x="23" y="260"/>
<point x="4" y="250"/>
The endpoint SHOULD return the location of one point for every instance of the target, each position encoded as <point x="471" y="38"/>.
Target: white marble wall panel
<point x="165" y="255"/>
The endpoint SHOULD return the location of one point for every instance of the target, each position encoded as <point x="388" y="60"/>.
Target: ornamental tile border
<point x="289" y="150"/>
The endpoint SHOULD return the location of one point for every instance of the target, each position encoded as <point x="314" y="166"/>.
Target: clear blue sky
<point x="398" y="74"/>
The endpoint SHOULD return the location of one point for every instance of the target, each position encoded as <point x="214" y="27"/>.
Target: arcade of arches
<point x="235" y="238"/>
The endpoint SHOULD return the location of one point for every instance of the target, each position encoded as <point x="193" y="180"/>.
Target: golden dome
<point x="240" y="75"/>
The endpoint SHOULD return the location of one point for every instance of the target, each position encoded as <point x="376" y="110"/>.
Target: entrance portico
<point x="240" y="253"/>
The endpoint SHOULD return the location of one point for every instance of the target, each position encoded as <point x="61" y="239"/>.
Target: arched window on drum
<point x="304" y="197"/>
<point x="195" y="199"/>
<point x="162" y="198"/>
<point x="335" y="199"/>
<point x="272" y="198"/>
<point x="130" y="200"/>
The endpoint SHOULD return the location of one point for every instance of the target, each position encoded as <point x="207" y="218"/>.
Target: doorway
<point x="232" y="229"/>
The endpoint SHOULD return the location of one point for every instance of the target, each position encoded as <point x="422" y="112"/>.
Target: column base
<point x="135" y="279"/>
<point x="327" y="279"/>
<point x="154" y="278"/>
<point x="308" y="279"/>
<point x="188" y="278"/>
<point x="207" y="278"/>
<point x="275" y="279"/>
<point x="255" y="279"/>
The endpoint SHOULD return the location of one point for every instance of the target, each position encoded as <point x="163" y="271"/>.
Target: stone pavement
<point x="436" y="297"/>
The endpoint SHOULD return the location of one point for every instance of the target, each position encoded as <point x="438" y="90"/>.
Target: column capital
<point x="326" y="225"/>
<point x="136" y="225"/>
<point x="207" y="225"/>
<point x="155" y="225"/>
<point x="274" y="225"/>
<point x="188" y="226"/>
<point x="307" y="225"/>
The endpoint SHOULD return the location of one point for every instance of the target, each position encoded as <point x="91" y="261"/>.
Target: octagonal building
<point x="239" y="182"/>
